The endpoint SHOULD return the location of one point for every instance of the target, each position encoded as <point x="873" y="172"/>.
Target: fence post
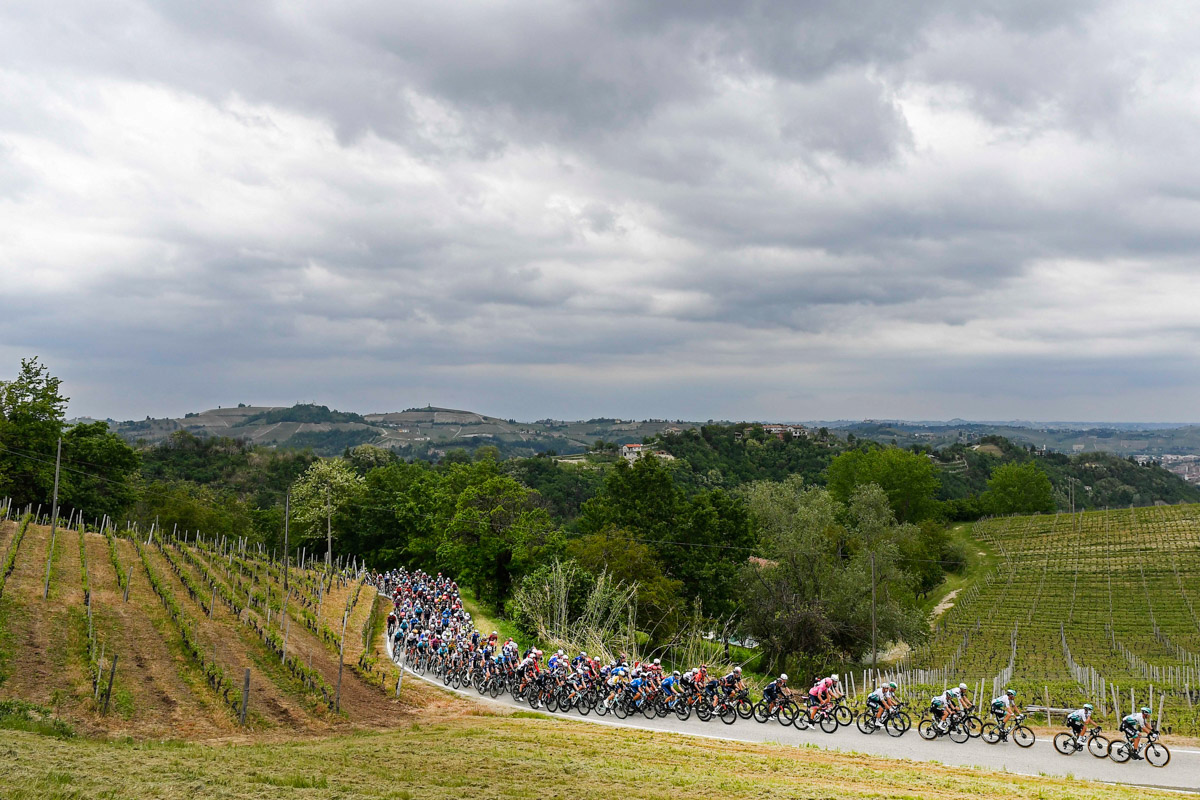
<point x="128" y="577"/>
<point x="111" y="675"/>
<point x="245" y="697"/>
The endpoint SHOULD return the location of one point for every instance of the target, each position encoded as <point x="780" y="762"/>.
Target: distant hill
<point x="415" y="432"/>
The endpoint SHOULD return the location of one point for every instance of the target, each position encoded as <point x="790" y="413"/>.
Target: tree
<point x="1018" y="489"/>
<point x="100" y="478"/>
<point x="325" y="488"/>
<point x="617" y="553"/>
<point x="31" y="420"/>
<point x="910" y="480"/>
<point x="809" y="596"/>
<point x="497" y="531"/>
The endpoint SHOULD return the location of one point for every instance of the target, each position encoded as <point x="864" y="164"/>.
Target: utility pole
<point x="287" y="513"/>
<point x="53" y="518"/>
<point x="874" y="649"/>
<point x="328" y="531"/>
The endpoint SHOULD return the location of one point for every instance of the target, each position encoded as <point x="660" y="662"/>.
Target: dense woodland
<point x="772" y="537"/>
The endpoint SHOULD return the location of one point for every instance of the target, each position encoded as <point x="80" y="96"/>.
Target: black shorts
<point x="1077" y="727"/>
<point x="811" y="700"/>
<point x="872" y="703"/>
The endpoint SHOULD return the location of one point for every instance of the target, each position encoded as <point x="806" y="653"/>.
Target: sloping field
<point x="194" y="622"/>
<point x="1083" y="607"/>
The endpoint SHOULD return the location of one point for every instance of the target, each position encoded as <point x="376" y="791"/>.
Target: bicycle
<point x="824" y="715"/>
<point x="781" y="708"/>
<point x="1021" y="734"/>
<point x="895" y="721"/>
<point x="1068" y="743"/>
<point x="930" y="730"/>
<point x="1154" y="752"/>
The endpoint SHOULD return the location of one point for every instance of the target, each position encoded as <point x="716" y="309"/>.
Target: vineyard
<point x="1093" y="607"/>
<point x="164" y="632"/>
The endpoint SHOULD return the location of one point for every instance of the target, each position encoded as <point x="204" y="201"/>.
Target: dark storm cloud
<point x="534" y="208"/>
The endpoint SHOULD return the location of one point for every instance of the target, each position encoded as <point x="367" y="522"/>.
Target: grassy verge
<point x="500" y="757"/>
<point x="487" y="619"/>
<point x="981" y="559"/>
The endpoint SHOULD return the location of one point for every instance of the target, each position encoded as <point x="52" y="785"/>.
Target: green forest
<point x="774" y="537"/>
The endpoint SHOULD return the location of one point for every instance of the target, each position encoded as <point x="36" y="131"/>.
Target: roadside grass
<point x="498" y="757"/>
<point x="487" y="619"/>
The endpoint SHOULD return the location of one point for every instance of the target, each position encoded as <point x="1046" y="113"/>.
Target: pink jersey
<point x="823" y="685"/>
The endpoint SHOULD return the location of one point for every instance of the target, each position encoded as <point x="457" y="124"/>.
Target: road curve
<point x="1181" y="774"/>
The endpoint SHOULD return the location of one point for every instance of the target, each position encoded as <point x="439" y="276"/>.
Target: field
<point x="496" y="757"/>
<point x="1083" y="607"/>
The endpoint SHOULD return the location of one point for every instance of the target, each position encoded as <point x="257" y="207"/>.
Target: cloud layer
<point x="793" y="210"/>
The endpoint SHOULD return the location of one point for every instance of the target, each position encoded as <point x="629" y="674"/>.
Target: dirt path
<point x="944" y="605"/>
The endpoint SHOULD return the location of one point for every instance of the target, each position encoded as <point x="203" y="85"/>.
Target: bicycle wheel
<point x="1098" y="746"/>
<point x="552" y="702"/>
<point x="728" y="714"/>
<point x="1023" y="736"/>
<point x="601" y="707"/>
<point x="898" y="724"/>
<point x="802" y="722"/>
<point x="957" y="734"/>
<point x="844" y="715"/>
<point x="990" y="732"/>
<point x="829" y="723"/>
<point x="620" y="710"/>
<point x="704" y="711"/>
<point x="1119" y="752"/>
<point x="973" y="725"/>
<point x="583" y="704"/>
<point x="787" y="714"/>
<point x="1065" y="744"/>
<point x="760" y="712"/>
<point x="1157" y="754"/>
<point x="927" y="729"/>
<point x="683" y="711"/>
<point x="745" y="709"/>
<point x="866" y="723"/>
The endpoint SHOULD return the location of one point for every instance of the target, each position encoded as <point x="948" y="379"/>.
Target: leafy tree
<point x="324" y="490"/>
<point x="102" y="467"/>
<point x="910" y="480"/>
<point x="31" y="420"/>
<point x="810" y="595"/>
<point x="1018" y="489"/>
<point x="615" y="551"/>
<point x="497" y="530"/>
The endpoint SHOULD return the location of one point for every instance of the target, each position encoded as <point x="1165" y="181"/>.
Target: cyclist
<point x="1004" y="707"/>
<point x="671" y="688"/>
<point x="1134" y="727"/>
<point x="617" y="676"/>
<point x="964" y="698"/>
<point x="820" y="693"/>
<point x="881" y="699"/>
<point x="775" y="689"/>
<point x="1077" y="719"/>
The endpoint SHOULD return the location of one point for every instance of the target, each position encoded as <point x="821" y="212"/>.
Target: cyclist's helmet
<point x="1010" y="693"/>
<point x="1088" y="706"/>
<point x="737" y="670"/>
<point x="891" y="684"/>
<point x="676" y="673"/>
<point x="783" y="676"/>
<point x="560" y="652"/>
<point x="657" y="661"/>
<point x="583" y="653"/>
<point x="962" y="687"/>
<point x="1146" y="710"/>
<point x="495" y="633"/>
<point x="835" y="677"/>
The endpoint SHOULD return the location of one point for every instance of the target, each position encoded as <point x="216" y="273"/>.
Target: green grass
<point x="17" y="715"/>
<point x="981" y="559"/>
<point x="498" y="757"/>
<point x="487" y="619"/>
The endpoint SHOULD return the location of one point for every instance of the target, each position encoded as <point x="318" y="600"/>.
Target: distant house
<point x="632" y="452"/>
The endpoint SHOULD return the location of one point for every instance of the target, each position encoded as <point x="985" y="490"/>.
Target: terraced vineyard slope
<point x="1097" y="606"/>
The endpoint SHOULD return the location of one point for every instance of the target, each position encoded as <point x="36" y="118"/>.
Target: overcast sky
<point x="689" y="210"/>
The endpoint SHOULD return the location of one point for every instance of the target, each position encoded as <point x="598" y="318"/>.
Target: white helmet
<point x="583" y="653"/>
<point x="657" y="661"/>
<point x="962" y="687"/>
<point x="737" y="670"/>
<point x="560" y="652"/>
<point x="835" y="677"/>
<point x="783" y="676"/>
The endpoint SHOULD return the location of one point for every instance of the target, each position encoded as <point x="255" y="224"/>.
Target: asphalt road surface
<point x="1182" y="773"/>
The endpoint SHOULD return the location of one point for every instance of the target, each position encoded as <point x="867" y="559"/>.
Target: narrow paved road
<point x="1183" y="773"/>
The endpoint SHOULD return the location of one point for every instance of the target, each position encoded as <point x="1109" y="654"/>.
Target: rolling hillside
<point x="414" y="433"/>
